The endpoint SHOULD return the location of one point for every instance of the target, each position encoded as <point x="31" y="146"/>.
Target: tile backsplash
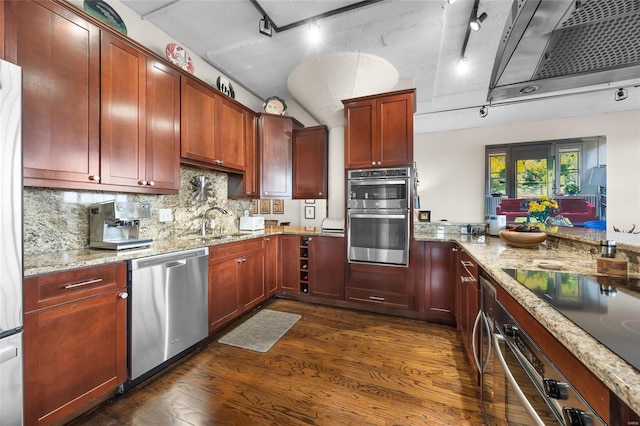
<point x="58" y="219"/>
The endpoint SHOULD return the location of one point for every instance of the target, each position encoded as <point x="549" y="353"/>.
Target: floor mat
<point x="260" y="332"/>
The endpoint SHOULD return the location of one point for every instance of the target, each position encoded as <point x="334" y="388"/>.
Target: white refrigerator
<point x="11" y="252"/>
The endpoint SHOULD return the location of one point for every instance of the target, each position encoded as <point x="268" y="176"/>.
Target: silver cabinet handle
<point x="123" y="295"/>
<point x="527" y="405"/>
<point x="83" y="283"/>
<point x="470" y="278"/>
<point x="379" y="298"/>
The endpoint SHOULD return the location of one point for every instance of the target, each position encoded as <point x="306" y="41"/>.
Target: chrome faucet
<point x="205" y="222"/>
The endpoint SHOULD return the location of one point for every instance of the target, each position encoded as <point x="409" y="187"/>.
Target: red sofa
<point x="576" y="209"/>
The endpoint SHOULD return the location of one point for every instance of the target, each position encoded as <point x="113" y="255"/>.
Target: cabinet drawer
<point x="230" y="250"/>
<point x="468" y="268"/>
<point x="391" y="300"/>
<point x="52" y="289"/>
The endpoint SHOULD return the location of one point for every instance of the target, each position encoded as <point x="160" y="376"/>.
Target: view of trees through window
<point x="533" y="177"/>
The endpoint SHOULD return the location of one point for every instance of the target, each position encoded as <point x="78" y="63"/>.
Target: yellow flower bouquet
<point x="543" y="208"/>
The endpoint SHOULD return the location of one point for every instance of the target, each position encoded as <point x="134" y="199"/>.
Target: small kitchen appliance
<point x="251" y="223"/>
<point x="115" y="225"/>
<point x="497" y="223"/>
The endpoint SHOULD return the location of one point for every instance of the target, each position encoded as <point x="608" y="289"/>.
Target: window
<point x="569" y="169"/>
<point x="498" y="173"/>
<point x="531" y="178"/>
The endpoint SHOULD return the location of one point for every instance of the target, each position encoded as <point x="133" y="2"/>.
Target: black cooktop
<point x="608" y="308"/>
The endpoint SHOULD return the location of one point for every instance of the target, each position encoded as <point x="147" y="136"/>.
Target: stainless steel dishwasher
<point x="168" y="309"/>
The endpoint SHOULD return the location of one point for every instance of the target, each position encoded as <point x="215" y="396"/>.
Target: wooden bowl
<point x="522" y="239"/>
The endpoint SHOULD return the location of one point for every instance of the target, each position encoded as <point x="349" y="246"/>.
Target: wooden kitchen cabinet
<point x="246" y="185"/>
<point x="236" y="280"/>
<point x="212" y="128"/>
<point x="276" y="155"/>
<point x="439" y="281"/>
<point x="139" y="148"/>
<point x="75" y="327"/>
<point x="289" y="264"/>
<point x="310" y="162"/>
<point x="271" y="254"/>
<point x="326" y="256"/>
<point x="381" y="286"/>
<point x="59" y="53"/>
<point x="378" y="130"/>
<point x="467" y="304"/>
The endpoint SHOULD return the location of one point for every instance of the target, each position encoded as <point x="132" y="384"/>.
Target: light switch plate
<point x="165" y="215"/>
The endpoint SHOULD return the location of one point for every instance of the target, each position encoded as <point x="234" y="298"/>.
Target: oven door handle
<point x="377" y="182"/>
<point x="377" y="216"/>
<point x="527" y="405"/>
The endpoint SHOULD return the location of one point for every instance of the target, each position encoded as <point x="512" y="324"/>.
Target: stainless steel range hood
<point x="551" y="46"/>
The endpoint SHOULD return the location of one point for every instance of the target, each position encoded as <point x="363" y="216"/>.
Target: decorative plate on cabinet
<point x="225" y="87"/>
<point x="178" y="56"/>
<point x="105" y="13"/>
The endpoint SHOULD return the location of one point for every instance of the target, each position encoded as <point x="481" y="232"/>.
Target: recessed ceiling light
<point x="528" y="89"/>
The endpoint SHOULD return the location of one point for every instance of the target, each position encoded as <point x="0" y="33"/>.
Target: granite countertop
<point x="492" y="254"/>
<point x="43" y="263"/>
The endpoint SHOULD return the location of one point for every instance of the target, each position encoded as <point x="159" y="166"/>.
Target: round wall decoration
<point x="105" y="13"/>
<point x="274" y="105"/>
<point x="225" y="87"/>
<point x="178" y="56"/>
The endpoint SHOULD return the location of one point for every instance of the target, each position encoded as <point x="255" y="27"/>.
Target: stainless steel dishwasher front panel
<point x="168" y="309"/>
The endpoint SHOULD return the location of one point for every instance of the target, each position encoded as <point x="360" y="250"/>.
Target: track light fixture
<point x="451" y="1"/>
<point x="476" y="23"/>
<point x="264" y="26"/>
<point x="484" y="111"/>
<point x="621" y="94"/>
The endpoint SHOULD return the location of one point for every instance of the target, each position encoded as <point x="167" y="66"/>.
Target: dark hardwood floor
<point x="333" y="367"/>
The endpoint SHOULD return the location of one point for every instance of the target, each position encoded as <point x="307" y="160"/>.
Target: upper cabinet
<point x="95" y="108"/>
<point x="246" y="185"/>
<point x="138" y="148"/>
<point x="275" y="148"/>
<point x="60" y="58"/>
<point x="213" y="128"/>
<point x="310" y="162"/>
<point x="378" y="130"/>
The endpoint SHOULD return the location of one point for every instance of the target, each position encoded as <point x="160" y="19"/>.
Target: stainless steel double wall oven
<point x="378" y="215"/>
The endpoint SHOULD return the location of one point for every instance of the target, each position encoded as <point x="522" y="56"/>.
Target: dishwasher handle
<point x="174" y="264"/>
<point x="169" y="259"/>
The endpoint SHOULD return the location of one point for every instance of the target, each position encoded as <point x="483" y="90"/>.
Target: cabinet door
<point x="440" y="269"/>
<point x="395" y="130"/>
<point x="163" y="126"/>
<point x="289" y="263"/>
<point x="327" y="256"/>
<point x="74" y="353"/>
<point x="122" y="128"/>
<point x="310" y="162"/>
<point x="197" y="116"/>
<point x="59" y="53"/>
<point x="359" y="129"/>
<point x="229" y="148"/>
<point x="223" y="292"/>
<point x="275" y="156"/>
<point x="246" y="185"/>
<point x="271" y="264"/>
<point x="251" y="279"/>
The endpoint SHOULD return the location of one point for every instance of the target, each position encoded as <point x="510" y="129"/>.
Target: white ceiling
<point x="421" y="39"/>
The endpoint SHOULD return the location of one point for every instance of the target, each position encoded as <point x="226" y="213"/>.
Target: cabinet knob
<point x="319" y="193"/>
<point x="95" y="178"/>
<point x="123" y="295"/>
<point x="151" y="183"/>
<point x="373" y="163"/>
<point x="142" y="182"/>
<point x="379" y="162"/>
<point x="310" y="238"/>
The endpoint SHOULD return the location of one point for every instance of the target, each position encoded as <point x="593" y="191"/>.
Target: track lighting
<point x="264" y="26"/>
<point x="476" y="23"/>
<point x="621" y="94"/>
<point x="484" y="111"/>
<point x="451" y="1"/>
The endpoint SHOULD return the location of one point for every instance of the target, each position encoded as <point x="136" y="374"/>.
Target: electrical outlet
<point x="165" y="215"/>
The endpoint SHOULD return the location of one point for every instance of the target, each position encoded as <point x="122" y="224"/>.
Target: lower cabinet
<point x="468" y="304"/>
<point x="271" y="264"/>
<point x="384" y="286"/>
<point x="326" y="267"/>
<point x="75" y="326"/>
<point x="236" y="280"/>
<point x="289" y="264"/>
<point x="438" y="276"/>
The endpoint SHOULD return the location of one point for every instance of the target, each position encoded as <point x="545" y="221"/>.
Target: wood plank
<point x="335" y="366"/>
